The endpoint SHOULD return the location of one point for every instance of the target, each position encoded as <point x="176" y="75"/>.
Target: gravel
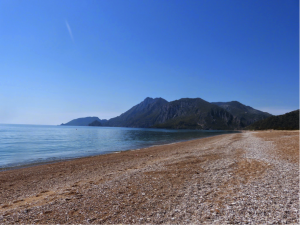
<point x="234" y="179"/>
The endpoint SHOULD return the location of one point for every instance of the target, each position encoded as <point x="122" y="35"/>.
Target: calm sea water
<point x="22" y="145"/>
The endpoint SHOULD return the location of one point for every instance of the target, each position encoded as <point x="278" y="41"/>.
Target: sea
<point x="27" y="145"/>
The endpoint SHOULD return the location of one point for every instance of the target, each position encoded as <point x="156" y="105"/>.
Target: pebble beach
<point x="250" y="177"/>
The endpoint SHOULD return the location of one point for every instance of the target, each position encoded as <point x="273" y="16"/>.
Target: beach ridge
<point x="239" y="177"/>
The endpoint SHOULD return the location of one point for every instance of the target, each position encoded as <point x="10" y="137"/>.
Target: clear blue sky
<point x="61" y="60"/>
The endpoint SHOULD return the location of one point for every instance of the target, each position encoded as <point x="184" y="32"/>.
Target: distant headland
<point x="191" y="113"/>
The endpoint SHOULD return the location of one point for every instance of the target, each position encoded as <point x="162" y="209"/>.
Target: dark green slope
<point x="96" y="123"/>
<point x="185" y="113"/>
<point x="144" y="114"/>
<point x="195" y="113"/>
<point x="243" y="115"/>
<point x="82" y="121"/>
<point x="288" y="121"/>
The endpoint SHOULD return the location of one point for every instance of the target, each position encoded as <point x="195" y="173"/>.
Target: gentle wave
<point x="22" y="145"/>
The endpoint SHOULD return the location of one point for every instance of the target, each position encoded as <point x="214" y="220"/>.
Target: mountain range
<point x="85" y="121"/>
<point x="245" y="115"/>
<point x="288" y="121"/>
<point x="185" y="113"/>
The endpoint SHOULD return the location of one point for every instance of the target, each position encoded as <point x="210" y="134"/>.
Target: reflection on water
<point x="28" y="144"/>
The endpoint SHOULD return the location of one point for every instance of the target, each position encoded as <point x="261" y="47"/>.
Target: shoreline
<point x="28" y="165"/>
<point x="77" y="170"/>
<point x="223" y="178"/>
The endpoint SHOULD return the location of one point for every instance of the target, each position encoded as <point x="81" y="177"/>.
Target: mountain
<point x="243" y="115"/>
<point x="145" y="114"/>
<point x="83" y="121"/>
<point x="196" y="113"/>
<point x="96" y="123"/>
<point x="288" y="121"/>
<point x="185" y="113"/>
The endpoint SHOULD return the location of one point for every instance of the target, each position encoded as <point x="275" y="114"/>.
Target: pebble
<point x="238" y="183"/>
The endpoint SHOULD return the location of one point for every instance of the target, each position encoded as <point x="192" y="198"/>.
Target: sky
<point x="61" y="60"/>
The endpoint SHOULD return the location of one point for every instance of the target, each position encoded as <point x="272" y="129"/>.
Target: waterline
<point x="22" y="145"/>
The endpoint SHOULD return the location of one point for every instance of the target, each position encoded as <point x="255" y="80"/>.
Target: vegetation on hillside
<point x="196" y="113"/>
<point x="244" y="115"/>
<point x="96" y="123"/>
<point x="288" y="121"/>
<point x="81" y="121"/>
<point x="185" y="113"/>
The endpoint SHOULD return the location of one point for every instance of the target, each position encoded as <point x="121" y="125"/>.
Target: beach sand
<point x="248" y="177"/>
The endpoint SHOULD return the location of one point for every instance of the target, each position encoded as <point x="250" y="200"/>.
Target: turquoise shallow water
<point x="22" y="145"/>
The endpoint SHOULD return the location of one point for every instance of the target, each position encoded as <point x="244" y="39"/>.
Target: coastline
<point x="186" y="182"/>
<point x="50" y="162"/>
<point x="46" y="162"/>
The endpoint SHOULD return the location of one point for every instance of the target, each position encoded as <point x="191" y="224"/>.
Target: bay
<point x="23" y="145"/>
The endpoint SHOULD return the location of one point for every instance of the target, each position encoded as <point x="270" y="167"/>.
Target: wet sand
<point x="232" y="178"/>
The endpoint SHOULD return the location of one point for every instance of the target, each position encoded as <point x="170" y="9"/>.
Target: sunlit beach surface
<point x="26" y="145"/>
<point x="249" y="177"/>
